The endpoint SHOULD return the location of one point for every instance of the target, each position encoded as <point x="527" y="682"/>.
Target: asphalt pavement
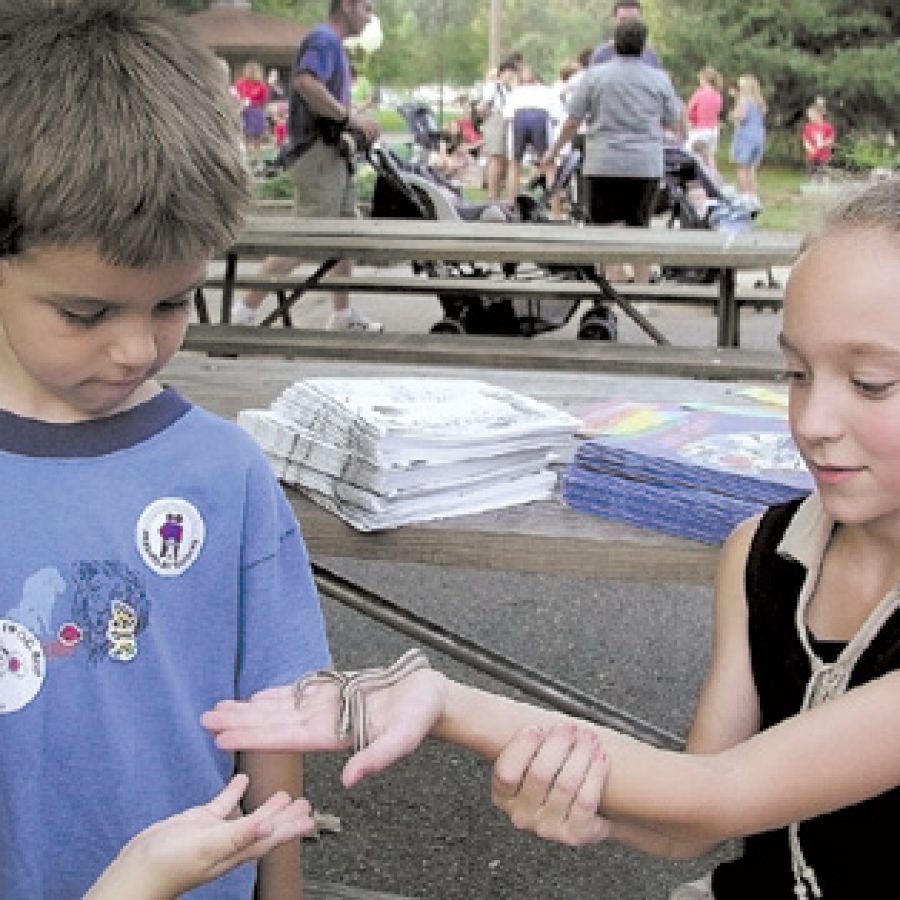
<point x="426" y="829"/>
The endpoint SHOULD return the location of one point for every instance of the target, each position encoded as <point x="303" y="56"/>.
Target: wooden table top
<point x="543" y="537"/>
<point x="393" y="240"/>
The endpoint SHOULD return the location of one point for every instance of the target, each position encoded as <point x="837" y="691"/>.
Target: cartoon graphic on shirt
<point x="170" y="534"/>
<point x="39" y="595"/>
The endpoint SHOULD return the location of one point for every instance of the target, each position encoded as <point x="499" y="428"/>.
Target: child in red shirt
<point x="279" y="127"/>
<point x="818" y="139"/>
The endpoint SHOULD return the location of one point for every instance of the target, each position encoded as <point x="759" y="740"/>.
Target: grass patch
<point x="389" y="120"/>
<point x="790" y="202"/>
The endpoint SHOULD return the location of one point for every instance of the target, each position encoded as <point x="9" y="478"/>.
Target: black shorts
<point x="531" y="128"/>
<point x="617" y="201"/>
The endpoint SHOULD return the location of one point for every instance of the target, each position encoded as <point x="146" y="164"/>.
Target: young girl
<point x="796" y="738"/>
<point x="254" y="95"/>
<point x="749" y="139"/>
<point x="703" y="110"/>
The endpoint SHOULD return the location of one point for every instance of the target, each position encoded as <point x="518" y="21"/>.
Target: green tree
<point x="847" y="51"/>
<point x="548" y="33"/>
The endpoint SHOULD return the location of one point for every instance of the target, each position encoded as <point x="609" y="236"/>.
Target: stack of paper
<point x="387" y="452"/>
<point x="691" y="470"/>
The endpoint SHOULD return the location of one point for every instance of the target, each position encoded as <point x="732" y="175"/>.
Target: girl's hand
<point x="551" y="783"/>
<point x="398" y="717"/>
<point x="201" y="844"/>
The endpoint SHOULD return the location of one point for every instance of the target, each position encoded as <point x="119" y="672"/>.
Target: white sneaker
<point x="352" y="320"/>
<point x="241" y="314"/>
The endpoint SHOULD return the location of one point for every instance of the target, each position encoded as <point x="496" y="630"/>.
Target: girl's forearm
<point x="483" y="722"/>
<point x="673" y="794"/>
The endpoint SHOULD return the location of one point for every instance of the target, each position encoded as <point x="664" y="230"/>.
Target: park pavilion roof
<point x="236" y="31"/>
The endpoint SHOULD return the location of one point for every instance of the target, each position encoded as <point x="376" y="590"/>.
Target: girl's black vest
<point x="851" y="850"/>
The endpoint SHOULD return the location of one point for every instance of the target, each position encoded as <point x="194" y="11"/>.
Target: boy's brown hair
<point x="118" y="133"/>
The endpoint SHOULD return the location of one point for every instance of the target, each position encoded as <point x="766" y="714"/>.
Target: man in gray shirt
<point x="627" y="105"/>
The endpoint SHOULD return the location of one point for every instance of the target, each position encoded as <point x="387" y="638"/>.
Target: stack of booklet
<point x="386" y="452"/>
<point x="692" y="470"/>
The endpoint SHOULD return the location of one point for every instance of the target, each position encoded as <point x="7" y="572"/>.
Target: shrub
<point x="278" y="188"/>
<point x="867" y="152"/>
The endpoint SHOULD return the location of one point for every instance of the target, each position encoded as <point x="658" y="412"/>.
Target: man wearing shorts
<point x="627" y="105"/>
<point x="533" y="110"/>
<point x="496" y="91"/>
<point x="319" y="152"/>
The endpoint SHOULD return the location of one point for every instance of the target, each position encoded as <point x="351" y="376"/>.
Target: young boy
<point x="150" y="561"/>
<point x="818" y="140"/>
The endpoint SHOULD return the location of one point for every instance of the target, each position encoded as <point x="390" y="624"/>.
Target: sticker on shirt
<point x="170" y="535"/>
<point x="22" y="666"/>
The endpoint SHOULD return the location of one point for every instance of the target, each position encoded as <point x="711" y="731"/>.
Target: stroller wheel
<point x="448" y="326"/>
<point x="599" y="324"/>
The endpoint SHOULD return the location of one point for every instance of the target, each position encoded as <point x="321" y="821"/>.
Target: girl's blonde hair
<point x="748" y="86"/>
<point x="252" y="71"/>
<point x="875" y="206"/>
<point x="711" y="76"/>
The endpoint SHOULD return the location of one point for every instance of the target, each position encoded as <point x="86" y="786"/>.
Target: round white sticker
<point x="22" y="666"/>
<point x="170" y="535"/>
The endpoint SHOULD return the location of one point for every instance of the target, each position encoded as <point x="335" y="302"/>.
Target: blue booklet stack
<point x="691" y="470"/>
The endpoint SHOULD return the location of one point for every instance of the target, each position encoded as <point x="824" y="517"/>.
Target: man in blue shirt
<point x="318" y="154"/>
<point x="624" y="11"/>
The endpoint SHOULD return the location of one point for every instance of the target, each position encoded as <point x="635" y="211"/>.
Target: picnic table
<point x="389" y="241"/>
<point x="546" y="537"/>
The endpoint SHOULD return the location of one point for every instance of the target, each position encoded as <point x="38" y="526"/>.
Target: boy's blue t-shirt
<point x="151" y="567"/>
<point x="320" y="54"/>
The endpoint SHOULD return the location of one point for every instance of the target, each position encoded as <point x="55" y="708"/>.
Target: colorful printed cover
<point x="692" y="470"/>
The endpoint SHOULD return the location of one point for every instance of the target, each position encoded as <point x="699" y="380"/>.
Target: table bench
<point x="284" y="287"/>
<point x="481" y="351"/>
<point x="390" y="241"/>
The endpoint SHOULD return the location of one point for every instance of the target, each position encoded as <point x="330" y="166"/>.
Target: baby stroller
<point x="694" y="198"/>
<point x="413" y="191"/>
<point x="566" y="183"/>
<point x="424" y="127"/>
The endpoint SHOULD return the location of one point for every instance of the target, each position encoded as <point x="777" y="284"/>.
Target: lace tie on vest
<point x="827" y="681"/>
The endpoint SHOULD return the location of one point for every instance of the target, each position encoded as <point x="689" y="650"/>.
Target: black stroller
<point x="424" y="127"/>
<point x="413" y="191"/>
<point x="719" y="210"/>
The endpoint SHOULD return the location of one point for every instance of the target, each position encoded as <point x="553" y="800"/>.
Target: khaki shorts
<point x="323" y="184"/>
<point x="494" y="131"/>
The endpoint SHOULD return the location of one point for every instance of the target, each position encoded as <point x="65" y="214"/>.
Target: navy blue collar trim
<point x="96" y="437"/>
